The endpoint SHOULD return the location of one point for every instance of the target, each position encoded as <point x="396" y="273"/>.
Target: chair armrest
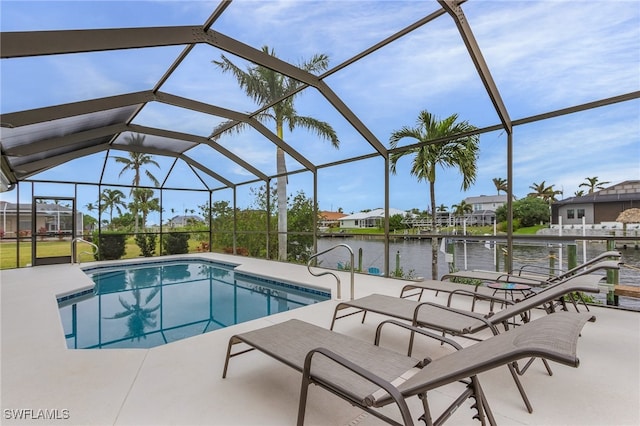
<point x="422" y="331"/>
<point x="472" y="315"/>
<point x="477" y="296"/>
<point x="525" y="268"/>
<point x="358" y="370"/>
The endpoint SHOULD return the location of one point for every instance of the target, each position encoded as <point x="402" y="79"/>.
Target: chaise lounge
<point x="526" y="276"/>
<point x="369" y="376"/>
<point x="478" y="291"/>
<point x="458" y="322"/>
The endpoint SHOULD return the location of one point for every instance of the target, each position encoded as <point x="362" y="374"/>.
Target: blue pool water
<point x="150" y="304"/>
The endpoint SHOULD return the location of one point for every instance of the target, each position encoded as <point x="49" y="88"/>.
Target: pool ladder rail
<point x="74" y="256"/>
<point x="339" y="284"/>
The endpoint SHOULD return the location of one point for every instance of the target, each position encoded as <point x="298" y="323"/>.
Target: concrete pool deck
<point x="180" y="383"/>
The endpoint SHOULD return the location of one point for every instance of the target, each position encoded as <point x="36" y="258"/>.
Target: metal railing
<point x="339" y="284"/>
<point x="74" y="256"/>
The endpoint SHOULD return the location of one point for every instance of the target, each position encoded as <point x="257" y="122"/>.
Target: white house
<point x="180" y="221"/>
<point x="50" y="218"/>
<point x="371" y="219"/>
<point x="483" y="213"/>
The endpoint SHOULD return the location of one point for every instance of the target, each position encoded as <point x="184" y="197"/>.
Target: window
<point x="580" y="213"/>
<point x="570" y="214"/>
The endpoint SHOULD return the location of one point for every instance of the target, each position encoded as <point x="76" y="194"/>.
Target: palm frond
<point x="320" y="128"/>
<point x="151" y="295"/>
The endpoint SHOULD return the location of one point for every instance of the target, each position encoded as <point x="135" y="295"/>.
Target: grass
<point x="63" y="248"/>
<point x="531" y="230"/>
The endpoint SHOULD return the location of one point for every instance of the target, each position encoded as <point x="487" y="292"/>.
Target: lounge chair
<point x="481" y="292"/>
<point x="526" y="276"/>
<point x="476" y="291"/>
<point x="369" y="376"/>
<point x="458" y="322"/>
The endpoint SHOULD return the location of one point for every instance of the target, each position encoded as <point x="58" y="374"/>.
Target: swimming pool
<point x="153" y="303"/>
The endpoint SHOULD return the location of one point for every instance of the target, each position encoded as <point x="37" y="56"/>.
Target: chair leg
<point x="304" y="389"/>
<point x="473" y="390"/>
<point x="483" y="400"/>
<point x="523" y="394"/>
<point x="477" y="395"/>
<point x="583" y="302"/>
<point x="426" y="417"/>
<point x="524" y="369"/>
<point x="573" y="302"/>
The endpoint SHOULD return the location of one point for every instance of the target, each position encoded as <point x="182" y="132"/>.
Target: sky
<point x="543" y="56"/>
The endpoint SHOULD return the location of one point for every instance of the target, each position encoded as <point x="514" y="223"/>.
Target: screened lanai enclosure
<point x="230" y="126"/>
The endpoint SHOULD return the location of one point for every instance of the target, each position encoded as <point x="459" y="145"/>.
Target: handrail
<point x="339" y="295"/>
<point x="78" y="239"/>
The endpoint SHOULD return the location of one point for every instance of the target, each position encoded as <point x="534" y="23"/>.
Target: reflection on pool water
<point x="147" y="305"/>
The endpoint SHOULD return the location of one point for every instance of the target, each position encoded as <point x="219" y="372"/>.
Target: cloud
<point x="543" y="55"/>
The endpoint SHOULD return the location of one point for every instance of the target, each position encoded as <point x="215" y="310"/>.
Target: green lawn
<point x="63" y="248"/>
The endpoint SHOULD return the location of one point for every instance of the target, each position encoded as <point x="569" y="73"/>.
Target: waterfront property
<point x="180" y="383"/>
<point x="599" y="207"/>
<point x="72" y="143"/>
<point x="78" y="101"/>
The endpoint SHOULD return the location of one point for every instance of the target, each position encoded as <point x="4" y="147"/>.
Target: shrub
<point x="240" y="251"/>
<point x="111" y="246"/>
<point x="147" y="244"/>
<point x="529" y="210"/>
<point x="502" y="226"/>
<point x="467" y="281"/>
<point x="175" y="243"/>
<point x="42" y="232"/>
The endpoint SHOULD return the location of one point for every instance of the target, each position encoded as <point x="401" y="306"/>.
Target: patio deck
<point x="181" y="384"/>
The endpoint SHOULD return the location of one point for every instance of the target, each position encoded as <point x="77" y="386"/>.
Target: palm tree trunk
<point x="135" y="214"/>
<point x="281" y="167"/>
<point x="434" y="240"/>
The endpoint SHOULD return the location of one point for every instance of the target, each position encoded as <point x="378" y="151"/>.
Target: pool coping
<point x="241" y="279"/>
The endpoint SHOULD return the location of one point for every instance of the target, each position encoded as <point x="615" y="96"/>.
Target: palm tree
<point x="501" y="184"/>
<point x="136" y="162"/>
<point x="461" y="153"/>
<point x="138" y="315"/>
<point x="442" y="209"/>
<point x="579" y="193"/>
<point x="144" y="203"/>
<point x="538" y="189"/>
<point x="266" y="86"/>
<point x="593" y="184"/>
<point x="111" y="199"/>
<point x="547" y="193"/>
<point x="461" y="209"/>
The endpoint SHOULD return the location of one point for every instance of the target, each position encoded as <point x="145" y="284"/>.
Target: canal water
<point x="413" y="258"/>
